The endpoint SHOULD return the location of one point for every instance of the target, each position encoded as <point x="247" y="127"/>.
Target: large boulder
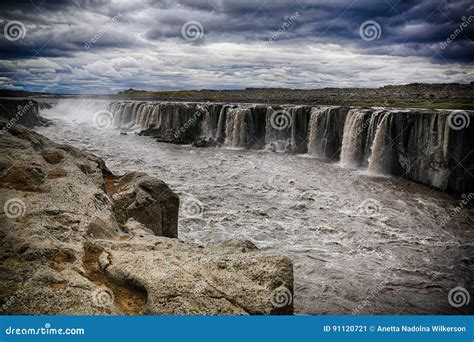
<point x="146" y="199"/>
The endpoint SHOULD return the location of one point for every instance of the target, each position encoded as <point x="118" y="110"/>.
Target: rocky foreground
<point x="77" y="239"/>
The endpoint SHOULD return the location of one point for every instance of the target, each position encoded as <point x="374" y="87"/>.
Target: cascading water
<point x="353" y="141"/>
<point x="315" y="143"/>
<point x="374" y="121"/>
<point x="221" y="124"/>
<point x="380" y="156"/>
<point x="207" y="130"/>
<point x="418" y="144"/>
<point x="237" y="127"/>
<point x="77" y="110"/>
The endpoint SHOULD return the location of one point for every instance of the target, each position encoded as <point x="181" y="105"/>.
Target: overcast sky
<point x="97" y="47"/>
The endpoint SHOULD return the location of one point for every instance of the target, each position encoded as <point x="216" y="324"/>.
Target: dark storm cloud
<point x="58" y="23"/>
<point x="77" y="38"/>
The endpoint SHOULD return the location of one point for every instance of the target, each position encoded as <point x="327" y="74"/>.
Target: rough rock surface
<point x="72" y="242"/>
<point x="146" y="199"/>
<point x="23" y="111"/>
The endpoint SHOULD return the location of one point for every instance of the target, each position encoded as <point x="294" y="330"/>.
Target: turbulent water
<point x="360" y="244"/>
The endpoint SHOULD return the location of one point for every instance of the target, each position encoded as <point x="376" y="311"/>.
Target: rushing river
<point x="360" y="244"/>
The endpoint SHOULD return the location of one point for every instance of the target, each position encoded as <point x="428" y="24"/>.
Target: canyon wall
<point x="432" y="147"/>
<point x="23" y="111"/>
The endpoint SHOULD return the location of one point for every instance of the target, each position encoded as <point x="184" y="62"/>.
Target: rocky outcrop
<point x="147" y="200"/>
<point x="76" y="239"/>
<point x="22" y="111"/>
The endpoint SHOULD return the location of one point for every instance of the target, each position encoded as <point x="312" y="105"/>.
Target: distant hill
<point x="424" y="95"/>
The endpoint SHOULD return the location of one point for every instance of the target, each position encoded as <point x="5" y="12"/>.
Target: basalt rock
<point x="147" y="200"/>
<point x="170" y="136"/>
<point x="24" y="112"/>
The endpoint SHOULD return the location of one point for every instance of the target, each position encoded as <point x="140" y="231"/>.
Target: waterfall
<point x="418" y="144"/>
<point x="237" y="127"/>
<point x="317" y="140"/>
<point x="206" y="123"/>
<point x="156" y="116"/>
<point x="374" y="121"/>
<point x="379" y="160"/>
<point x="325" y="130"/>
<point x="221" y="124"/>
<point x="77" y="110"/>
<point x="353" y="140"/>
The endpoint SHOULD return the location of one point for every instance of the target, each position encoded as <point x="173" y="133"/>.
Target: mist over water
<point x="354" y="237"/>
